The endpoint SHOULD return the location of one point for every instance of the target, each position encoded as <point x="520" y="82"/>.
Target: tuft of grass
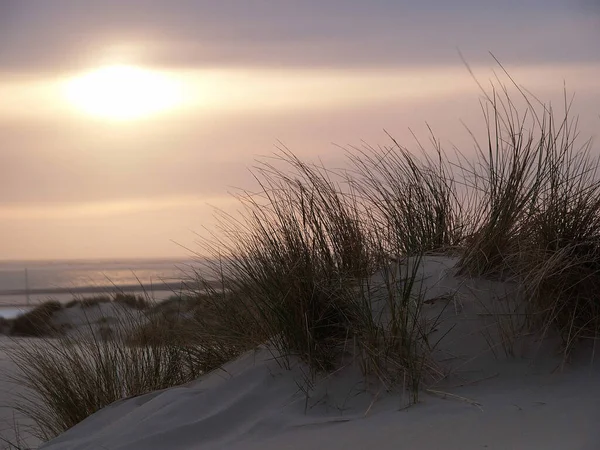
<point x="72" y="303"/>
<point x="538" y="194"/>
<point x="88" y="302"/>
<point x="209" y="339"/>
<point x="68" y="378"/>
<point x="563" y="292"/>
<point x="394" y="334"/>
<point x="131" y="300"/>
<point x="37" y="322"/>
<point x="561" y="257"/>
<point x="506" y="178"/>
<point x="297" y="271"/>
<point x="292" y="266"/>
<point x="414" y="201"/>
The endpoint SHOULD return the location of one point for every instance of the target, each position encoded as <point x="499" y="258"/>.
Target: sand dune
<point x="484" y="402"/>
<point x="258" y="407"/>
<point x="12" y="424"/>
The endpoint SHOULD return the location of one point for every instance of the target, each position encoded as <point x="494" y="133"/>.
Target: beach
<point x="260" y="409"/>
<point x="13" y="426"/>
<point x="24" y="284"/>
<point x="483" y="401"/>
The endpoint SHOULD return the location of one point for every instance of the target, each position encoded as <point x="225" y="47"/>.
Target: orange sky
<point x="94" y="169"/>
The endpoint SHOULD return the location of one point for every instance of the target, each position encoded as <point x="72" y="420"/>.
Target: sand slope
<point x="486" y="402"/>
<point x="258" y="408"/>
<point x="13" y="425"/>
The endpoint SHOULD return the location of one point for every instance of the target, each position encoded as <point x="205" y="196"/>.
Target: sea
<point x="24" y="284"/>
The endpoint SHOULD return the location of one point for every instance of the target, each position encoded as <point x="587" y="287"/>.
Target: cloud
<point x="58" y="211"/>
<point x="592" y="6"/>
<point x="208" y="150"/>
<point x="65" y="34"/>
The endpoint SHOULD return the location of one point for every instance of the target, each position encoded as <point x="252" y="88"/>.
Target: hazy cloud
<point x="62" y="34"/>
<point x="65" y="211"/>
<point x="73" y="187"/>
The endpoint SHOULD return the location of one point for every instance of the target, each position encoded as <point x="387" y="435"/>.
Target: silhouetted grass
<point x="37" y="322"/>
<point x="74" y="375"/>
<point x="538" y="218"/>
<point x="414" y="200"/>
<point x="131" y="300"/>
<point x="301" y="258"/>
<point x="90" y="302"/>
<point x="298" y="270"/>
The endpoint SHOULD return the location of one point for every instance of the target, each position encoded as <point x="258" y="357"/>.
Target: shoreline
<point x="95" y="289"/>
<point x="162" y="287"/>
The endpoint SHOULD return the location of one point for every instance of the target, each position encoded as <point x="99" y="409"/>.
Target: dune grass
<point x="538" y="223"/>
<point x="70" y="377"/>
<point x="131" y="300"/>
<point x="89" y="302"/>
<point x="322" y="264"/>
<point x="37" y="322"/>
<point x="301" y="258"/>
<point x="298" y="269"/>
<point x="414" y="200"/>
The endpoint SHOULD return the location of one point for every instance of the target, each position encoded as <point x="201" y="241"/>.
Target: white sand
<point x="11" y="422"/>
<point x="83" y="321"/>
<point x="261" y="409"/>
<point x="252" y="403"/>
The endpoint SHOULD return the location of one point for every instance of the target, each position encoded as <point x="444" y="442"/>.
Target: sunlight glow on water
<point x="68" y="275"/>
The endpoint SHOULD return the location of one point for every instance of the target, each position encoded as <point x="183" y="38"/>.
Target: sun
<point x="123" y="93"/>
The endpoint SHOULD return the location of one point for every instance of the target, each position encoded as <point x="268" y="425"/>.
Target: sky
<point x="96" y="168"/>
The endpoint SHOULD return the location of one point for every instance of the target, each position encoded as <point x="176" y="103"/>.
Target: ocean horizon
<point x="29" y="282"/>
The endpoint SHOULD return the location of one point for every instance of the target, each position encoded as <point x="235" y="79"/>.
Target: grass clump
<point x="506" y="178"/>
<point x="293" y="270"/>
<point x="562" y="257"/>
<point x="69" y="378"/>
<point x="37" y="322"/>
<point x="131" y="300"/>
<point x="298" y="269"/>
<point x="414" y="201"/>
<point x="90" y="302"/>
<point x="538" y="220"/>
<point x="301" y="259"/>
<point x="207" y="337"/>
